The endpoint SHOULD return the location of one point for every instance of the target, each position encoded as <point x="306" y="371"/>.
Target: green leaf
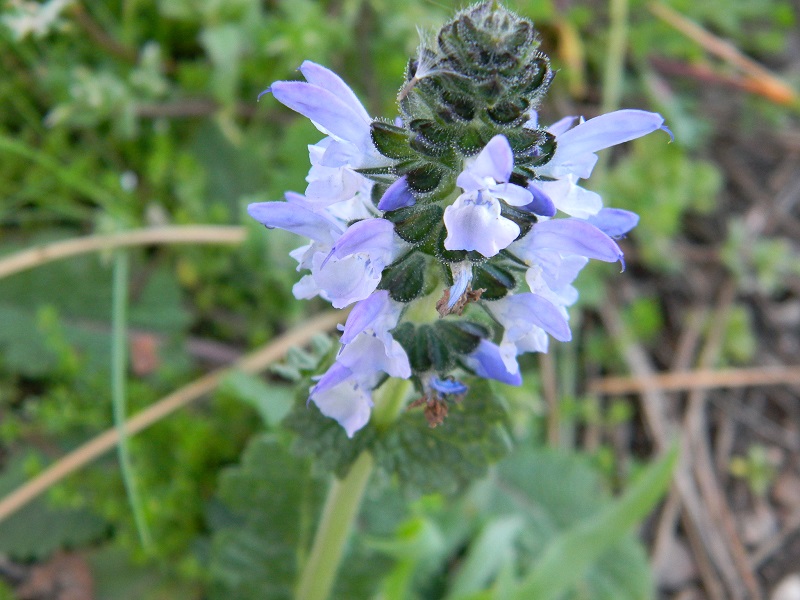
<point x="117" y="576"/>
<point x="568" y="556"/>
<point x="474" y="435"/>
<point x="405" y="278"/>
<point x="416" y="223"/>
<point x="487" y="555"/>
<point x="391" y="141"/>
<point x="272" y="402"/>
<point x="39" y="529"/>
<point x="274" y="501"/>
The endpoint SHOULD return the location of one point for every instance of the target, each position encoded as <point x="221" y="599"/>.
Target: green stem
<point x="342" y="504"/>
<point x="390" y="401"/>
<point x="119" y="360"/>
<point x="338" y="515"/>
<point x="613" y="75"/>
<point x="615" y="60"/>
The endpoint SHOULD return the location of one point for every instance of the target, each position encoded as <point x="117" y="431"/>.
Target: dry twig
<point x="700" y="379"/>
<point x="179" y="234"/>
<point x="758" y="79"/>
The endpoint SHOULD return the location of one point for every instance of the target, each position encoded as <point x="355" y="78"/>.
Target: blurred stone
<point x="64" y="577"/>
<point x="144" y="353"/>
<point x="787" y="589"/>
<point x="759" y="524"/>
<point x="675" y="567"/>
<point x="786" y="490"/>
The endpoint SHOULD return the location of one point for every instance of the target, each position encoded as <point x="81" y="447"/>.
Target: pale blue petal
<point x="572" y="198"/>
<point x="462" y="276"/>
<point x="546" y="315"/>
<point x="294" y="218"/>
<point x="335" y="375"/>
<point x="364" y="314"/>
<point x="487" y="362"/>
<point x="470" y="182"/>
<point x="348" y="403"/>
<point x="561" y="126"/>
<point x="473" y="222"/>
<point x="342" y="282"/>
<point x="367" y="356"/>
<point x="373" y="236"/>
<point x="574" y="236"/>
<point x="496" y="160"/>
<point x="512" y="194"/>
<point x="324" y="108"/>
<point x="448" y="386"/>
<point x="541" y="204"/>
<point x="614" y="222"/>
<point x="327" y="79"/>
<point x="605" y="131"/>
<point x="397" y="195"/>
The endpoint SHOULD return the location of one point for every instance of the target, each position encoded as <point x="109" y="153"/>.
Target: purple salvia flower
<point x="378" y="314"/>
<point x="527" y="319"/>
<point x="568" y="236"/>
<point x="447" y="387"/>
<point x="575" y="156"/>
<point x="487" y="361"/>
<point x="344" y="391"/>
<point x="614" y="222"/>
<point x="354" y="238"/>
<point x="474" y="221"/>
<point x="397" y="195"/>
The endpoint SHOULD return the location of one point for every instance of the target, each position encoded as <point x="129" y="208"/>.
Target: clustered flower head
<point x="456" y="230"/>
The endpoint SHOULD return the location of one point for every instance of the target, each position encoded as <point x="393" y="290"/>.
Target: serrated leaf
<point x="270" y="494"/>
<point x="461" y="336"/>
<point x="473" y="436"/>
<point x="495" y="280"/>
<point x="38" y="529"/>
<point x="274" y="501"/>
<point x="414" y="224"/>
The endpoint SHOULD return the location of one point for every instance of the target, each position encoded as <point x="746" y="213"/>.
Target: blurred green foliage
<point x="116" y="115"/>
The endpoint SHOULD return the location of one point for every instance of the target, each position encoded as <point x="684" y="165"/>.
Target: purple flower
<point x="336" y="111"/>
<point x="397" y="195"/>
<point x="487" y="361"/>
<point x="346" y="264"/>
<point x="352" y="249"/>
<point x="527" y="319"/>
<point x="344" y="392"/>
<point x="447" y="387"/>
<point x="567" y="236"/>
<point x="378" y="314"/>
<point x="474" y="221"/>
<point x="575" y="156"/>
<point x="329" y="103"/>
<point x="614" y="222"/>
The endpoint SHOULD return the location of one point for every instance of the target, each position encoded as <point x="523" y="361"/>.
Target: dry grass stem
<point x="252" y="363"/>
<point x="758" y="79"/>
<point x="179" y="234"/>
<point x="700" y="379"/>
<point x="709" y="549"/>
